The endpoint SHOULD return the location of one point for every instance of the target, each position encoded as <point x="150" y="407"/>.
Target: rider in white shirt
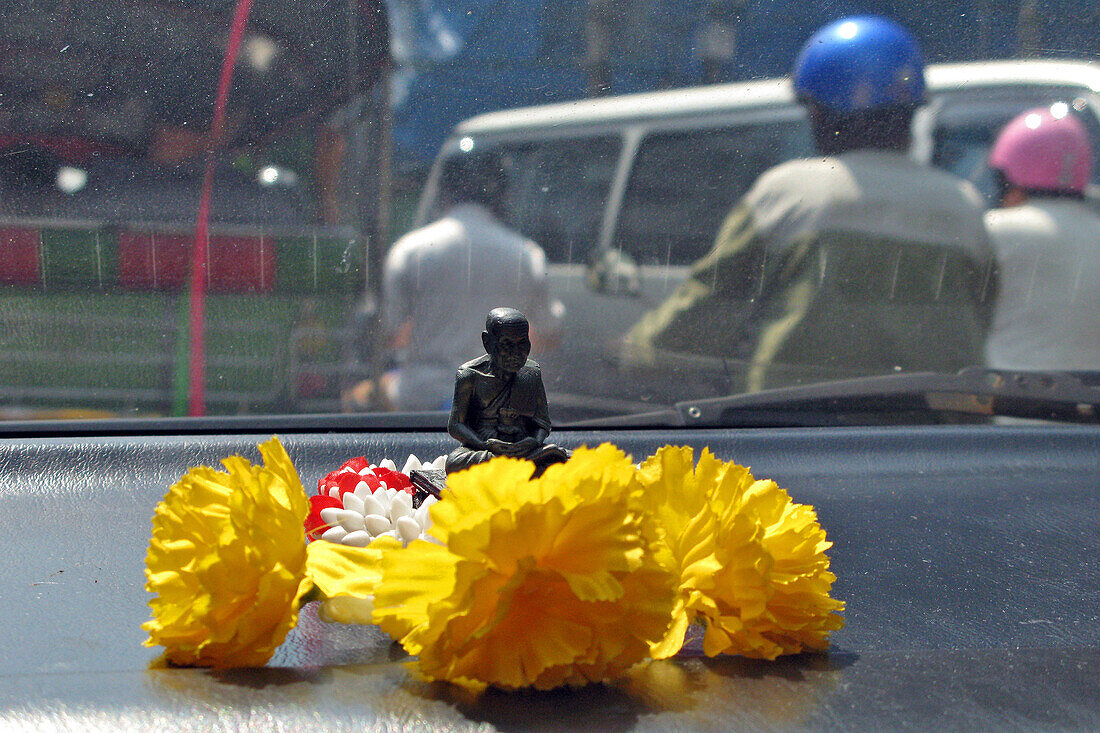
<point x="1047" y="239"/>
<point x="439" y="281"/>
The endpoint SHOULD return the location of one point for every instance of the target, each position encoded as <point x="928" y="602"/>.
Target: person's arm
<point x="328" y="161"/>
<point x="710" y="309"/>
<point x="380" y="330"/>
<point x="395" y="297"/>
<point x="457" y="424"/>
<point x="990" y="284"/>
<point x="397" y="300"/>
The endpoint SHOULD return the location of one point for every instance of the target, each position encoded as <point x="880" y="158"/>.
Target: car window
<point x="109" y="160"/>
<point x="684" y="183"/>
<point x="560" y="194"/>
<point x="557" y="191"/>
<point x="965" y="129"/>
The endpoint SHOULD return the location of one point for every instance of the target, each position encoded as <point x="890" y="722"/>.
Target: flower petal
<point x="376" y="524"/>
<point x="358" y="538"/>
<point x="407" y="529"/>
<point x="353" y="503"/>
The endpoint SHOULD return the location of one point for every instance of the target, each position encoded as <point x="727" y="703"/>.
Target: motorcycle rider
<point x="1047" y="240"/>
<point x="859" y="262"/>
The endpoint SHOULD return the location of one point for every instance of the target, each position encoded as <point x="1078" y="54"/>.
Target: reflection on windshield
<point x="720" y="231"/>
<point x="683" y="184"/>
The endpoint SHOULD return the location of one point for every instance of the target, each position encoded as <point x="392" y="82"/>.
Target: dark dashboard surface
<point x="969" y="559"/>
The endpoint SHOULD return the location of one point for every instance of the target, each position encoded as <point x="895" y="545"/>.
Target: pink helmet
<point x="1045" y="149"/>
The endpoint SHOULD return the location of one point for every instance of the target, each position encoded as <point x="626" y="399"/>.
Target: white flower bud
<point x="402" y="506"/>
<point x="422" y="514"/>
<point x="353" y="503"/>
<point x="371" y="505"/>
<point x="349" y="520"/>
<point x="377" y="524"/>
<point x="359" y="538"/>
<point x="384" y="497"/>
<point x="407" y="530"/>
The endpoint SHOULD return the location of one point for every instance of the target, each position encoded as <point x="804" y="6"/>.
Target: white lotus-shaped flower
<point x="384" y="511"/>
<point x="412" y="463"/>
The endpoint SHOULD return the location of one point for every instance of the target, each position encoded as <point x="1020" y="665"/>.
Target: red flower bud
<point x="396" y="480"/>
<point x="314" y="525"/>
<point x="356" y="464"/>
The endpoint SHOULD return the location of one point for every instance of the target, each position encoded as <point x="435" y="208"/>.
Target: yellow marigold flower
<point x="534" y="582"/>
<point x="226" y="562"/>
<point x="751" y="563"/>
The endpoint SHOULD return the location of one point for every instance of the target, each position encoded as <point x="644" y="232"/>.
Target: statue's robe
<point x="507" y="409"/>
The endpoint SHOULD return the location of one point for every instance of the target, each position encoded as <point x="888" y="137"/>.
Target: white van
<point x="625" y="192"/>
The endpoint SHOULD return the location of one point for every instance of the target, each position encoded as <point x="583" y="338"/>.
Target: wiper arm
<point x="919" y="397"/>
<point x="972" y="395"/>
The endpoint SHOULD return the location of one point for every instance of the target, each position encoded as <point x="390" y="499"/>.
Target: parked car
<point x="625" y="193"/>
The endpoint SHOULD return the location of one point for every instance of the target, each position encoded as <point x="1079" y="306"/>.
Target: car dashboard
<point x="968" y="557"/>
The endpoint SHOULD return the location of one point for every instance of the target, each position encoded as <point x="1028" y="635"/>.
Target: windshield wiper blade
<point x="972" y="395"/>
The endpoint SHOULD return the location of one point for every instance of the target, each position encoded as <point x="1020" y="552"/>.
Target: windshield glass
<point x="273" y="207"/>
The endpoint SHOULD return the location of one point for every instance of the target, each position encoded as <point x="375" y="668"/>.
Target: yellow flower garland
<point x="570" y="578"/>
<point x="751" y="563"/>
<point x="226" y="562"/>
<point x="534" y="582"/>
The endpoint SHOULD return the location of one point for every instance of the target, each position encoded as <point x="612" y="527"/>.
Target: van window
<point x="560" y="191"/>
<point x="684" y="183"/>
<point x="965" y="132"/>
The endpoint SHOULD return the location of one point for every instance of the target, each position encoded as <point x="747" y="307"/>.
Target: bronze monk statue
<point x="499" y="405"/>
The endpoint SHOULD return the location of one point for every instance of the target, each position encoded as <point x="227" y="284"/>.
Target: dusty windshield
<point x="286" y="208"/>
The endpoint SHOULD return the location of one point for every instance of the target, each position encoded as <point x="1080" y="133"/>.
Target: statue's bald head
<point x="506" y="339"/>
<point x="500" y="319"/>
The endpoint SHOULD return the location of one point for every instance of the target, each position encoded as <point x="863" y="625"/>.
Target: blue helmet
<point x="860" y="63"/>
